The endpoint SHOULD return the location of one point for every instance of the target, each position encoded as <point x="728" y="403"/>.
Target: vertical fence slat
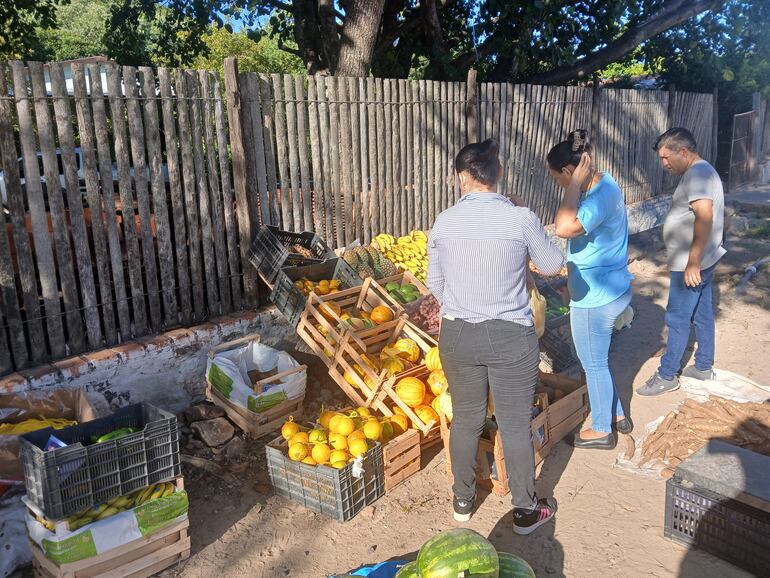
<point x="416" y="196"/>
<point x="319" y="223"/>
<point x="202" y="194"/>
<point x="97" y="217"/>
<point x="215" y="194"/>
<point x="443" y="193"/>
<point x="430" y="182"/>
<point x="355" y="166"/>
<point x="69" y="162"/>
<point x="11" y="306"/>
<point x="159" y="203"/>
<point x="382" y="160"/>
<point x="304" y="168"/>
<point x="334" y="145"/>
<point x="266" y="105"/>
<point x="388" y="130"/>
<point x="282" y="154"/>
<point x="409" y="152"/>
<point x="374" y="152"/>
<point x="366" y="221"/>
<point x="346" y="161"/>
<point x="108" y="200"/>
<point x="190" y="195"/>
<point x="395" y="157"/>
<point x="136" y="132"/>
<point x="54" y="196"/>
<point x="228" y="201"/>
<point x="291" y="138"/>
<point x="250" y="116"/>
<point x="177" y="197"/>
<point x="437" y="152"/>
<point x="327" y="164"/>
<point x="37" y="210"/>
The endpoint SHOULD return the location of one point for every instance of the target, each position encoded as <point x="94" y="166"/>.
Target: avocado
<point x="409" y="287"/>
<point x="392" y="286"/>
<point x="407" y="295"/>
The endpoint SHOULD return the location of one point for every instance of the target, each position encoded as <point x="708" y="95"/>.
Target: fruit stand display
<point x="409" y="252"/>
<point x="327" y="318"/>
<point x="367" y="261"/>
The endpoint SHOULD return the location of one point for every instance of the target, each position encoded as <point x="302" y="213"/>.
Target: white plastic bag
<point x="14" y="545"/>
<point x="228" y="371"/>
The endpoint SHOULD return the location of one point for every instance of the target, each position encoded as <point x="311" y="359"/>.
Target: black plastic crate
<point x="291" y="302"/>
<point x="332" y="492"/>
<point x="726" y="528"/>
<point x="556" y="348"/>
<point x="272" y="250"/>
<point x="553" y="297"/>
<point x="66" y="480"/>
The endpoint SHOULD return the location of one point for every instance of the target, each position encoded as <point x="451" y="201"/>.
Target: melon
<point x="409" y="570"/>
<point x="457" y="551"/>
<point x="511" y="566"/>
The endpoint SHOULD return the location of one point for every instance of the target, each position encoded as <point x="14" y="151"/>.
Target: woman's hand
<point x="582" y="171"/>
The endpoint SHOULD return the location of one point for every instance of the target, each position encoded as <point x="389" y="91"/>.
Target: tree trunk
<point x="359" y="36"/>
<point x="670" y="15"/>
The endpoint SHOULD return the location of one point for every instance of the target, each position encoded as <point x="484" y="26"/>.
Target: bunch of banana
<point x="409" y="252"/>
<point x="119" y="504"/>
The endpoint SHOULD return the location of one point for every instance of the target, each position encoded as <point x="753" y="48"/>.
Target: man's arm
<point x="704" y="215"/>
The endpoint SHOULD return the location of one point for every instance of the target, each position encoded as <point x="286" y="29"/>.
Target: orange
<point x="373" y="429"/>
<point x="338" y="441"/>
<point x="356" y="435"/>
<point x="358" y="447"/>
<point x="321" y="453"/>
<point x="325" y="418"/>
<point x="289" y="428"/>
<point x="300" y="437"/>
<point x="310" y="461"/>
<point x="345" y="425"/>
<point x="298" y="452"/>
<point x="338" y="456"/>
<point x="317" y="436"/>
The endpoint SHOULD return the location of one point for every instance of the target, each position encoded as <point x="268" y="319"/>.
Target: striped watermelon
<point x="458" y="552"/>
<point x="408" y="571"/>
<point x="512" y="566"/>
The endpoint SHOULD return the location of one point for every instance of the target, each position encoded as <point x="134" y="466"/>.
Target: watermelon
<point x="512" y="566"/>
<point x="408" y="571"/>
<point x="458" y="552"/>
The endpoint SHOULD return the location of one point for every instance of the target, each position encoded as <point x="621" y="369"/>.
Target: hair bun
<point x="578" y="140"/>
<point x="490" y="146"/>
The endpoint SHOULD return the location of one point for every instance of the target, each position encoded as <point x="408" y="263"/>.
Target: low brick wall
<point x="165" y="370"/>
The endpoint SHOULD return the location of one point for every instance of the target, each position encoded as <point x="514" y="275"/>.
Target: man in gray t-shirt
<point x="693" y="235"/>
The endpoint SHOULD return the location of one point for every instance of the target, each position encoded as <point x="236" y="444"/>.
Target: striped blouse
<point x="478" y="254"/>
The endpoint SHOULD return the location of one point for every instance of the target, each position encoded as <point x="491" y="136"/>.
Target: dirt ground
<point x="610" y="521"/>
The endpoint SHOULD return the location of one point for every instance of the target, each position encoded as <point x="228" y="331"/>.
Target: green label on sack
<point x="266" y="401"/>
<point x="77" y="547"/>
<point x="220" y="380"/>
<point x="155" y="514"/>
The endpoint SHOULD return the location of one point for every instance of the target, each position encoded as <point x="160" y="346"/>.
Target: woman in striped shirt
<point x="592" y="216"/>
<point x="478" y="261"/>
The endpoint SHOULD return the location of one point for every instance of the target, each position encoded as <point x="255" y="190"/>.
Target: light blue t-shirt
<point x="597" y="260"/>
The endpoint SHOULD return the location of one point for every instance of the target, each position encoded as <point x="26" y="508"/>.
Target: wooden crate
<point x="490" y="452"/>
<point x="256" y="424"/>
<point x="376" y="389"/>
<point x="322" y="335"/>
<point x="139" y="558"/>
<point x="404" y="277"/>
<point x="401" y="458"/>
<point x="567" y="413"/>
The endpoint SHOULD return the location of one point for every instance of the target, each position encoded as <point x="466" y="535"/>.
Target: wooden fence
<point x="139" y="233"/>
<point x="351" y="157"/>
<point x="148" y="228"/>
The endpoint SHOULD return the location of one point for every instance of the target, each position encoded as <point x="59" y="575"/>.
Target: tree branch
<point x="290" y="50"/>
<point x="282" y="6"/>
<point x="670" y="15"/>
<point x="433" y="25"/>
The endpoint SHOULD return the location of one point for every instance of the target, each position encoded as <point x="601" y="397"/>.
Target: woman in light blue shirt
<point x="592" y="216"/>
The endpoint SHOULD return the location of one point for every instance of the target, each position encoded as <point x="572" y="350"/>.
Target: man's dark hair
<point x="568" y="152"/>
<point x="480" y="160"/>
<point x="675" y="139"/>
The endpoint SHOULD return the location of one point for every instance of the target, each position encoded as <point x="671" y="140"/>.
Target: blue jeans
<point x="592" y="332"/>
<point x="689" y="305"/>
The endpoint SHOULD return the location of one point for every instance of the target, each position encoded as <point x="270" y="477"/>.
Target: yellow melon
<point x="432" y="359"/>
<point x="411" y="391"/>
<point x="426" y="414"/>
<point x="437" y="381"/>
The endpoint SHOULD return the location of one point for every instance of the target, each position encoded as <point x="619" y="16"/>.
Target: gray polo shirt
<point x="701" y="181"/>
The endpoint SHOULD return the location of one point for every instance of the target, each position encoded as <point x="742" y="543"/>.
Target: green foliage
<point x="19" y="20"/>
<point x="262" y="55"/>
<point x="79" y="31"/>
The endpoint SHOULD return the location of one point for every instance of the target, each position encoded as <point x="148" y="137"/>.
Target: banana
<point x="80" y="522"/>
<point x="122" y="502"/>
<point x="168" y="490"/>
<point x="157" y="492"/>
<point x="111" y="511"/>
<point x="142" y="498"/>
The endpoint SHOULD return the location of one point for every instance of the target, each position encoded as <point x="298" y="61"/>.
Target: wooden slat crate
<point x="139" y="558"/>
<point x="401" y="457"/>
<point x="323" y="333"/>
<point x="567" y="413"/>
<point x="490" y="453"/>
<point x="376" y="389"/>
<point x="256" y="424"/>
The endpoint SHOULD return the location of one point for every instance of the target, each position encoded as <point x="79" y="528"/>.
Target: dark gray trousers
<point x="503" y="356"/>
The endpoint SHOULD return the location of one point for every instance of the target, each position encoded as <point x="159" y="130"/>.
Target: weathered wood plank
<point x="335" y="199"/>
<point x="319" y="223"/>
<point x="37" y="210"/>
<point x="436" y="148"/>
<point x="282" y="154"/>
<point x="326" y="160"/>
<point x="62" y="106"/>
<point x="191" y="197"/>
<point x="417" y="155"/>
<point x="228" y="200"/>
<point x="382" y="159"/>
<point x="215" y="194"/>
<point x="204" y="209"/>
<point x="159" y="202"/>
<point x="250" y="114"/>
<point x="346" y="161"/>
<point x="442" y="143"/>
<point x="355" y="160"/>
<point x="304" y="167"/>
<point x="91" y="177"/>
<point x="366" y="221"/>
<point x="374" y="152"/>
<point x="177" y="197"/>
<point x="292" y="191"/>
<point x="390" y="185"/>
<point x="267" y="107"/>
<point x="108" y="200"/>
<point x="430" y="177"/>
<point x="408" y="141"/>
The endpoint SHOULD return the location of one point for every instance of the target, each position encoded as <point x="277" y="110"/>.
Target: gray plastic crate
<point x="64" y="481"/>
<point x="271" y="250"/>
<point x="332" y="492"/>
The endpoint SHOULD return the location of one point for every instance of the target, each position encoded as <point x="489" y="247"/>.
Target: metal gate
<point x="740" y="150"/>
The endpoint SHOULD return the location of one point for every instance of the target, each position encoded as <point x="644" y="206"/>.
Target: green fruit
<point x="408" y="571"/>
<point x="512" y="566"/>
<point x="407" y="295"/>
<point x="396" y="294"/>
<point x="392" y="286"/>
<point x="409" y="287"/>
<point x="452" y="552"/>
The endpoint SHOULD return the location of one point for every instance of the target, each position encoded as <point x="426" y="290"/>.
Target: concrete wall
<point x="166" y="370"/>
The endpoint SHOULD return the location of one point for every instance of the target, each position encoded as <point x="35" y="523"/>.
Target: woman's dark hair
<point x="568" y="152"/>
<point x="480" y="160"/>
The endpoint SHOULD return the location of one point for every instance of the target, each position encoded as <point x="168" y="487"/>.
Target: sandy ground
<point x="610" y="521"/>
